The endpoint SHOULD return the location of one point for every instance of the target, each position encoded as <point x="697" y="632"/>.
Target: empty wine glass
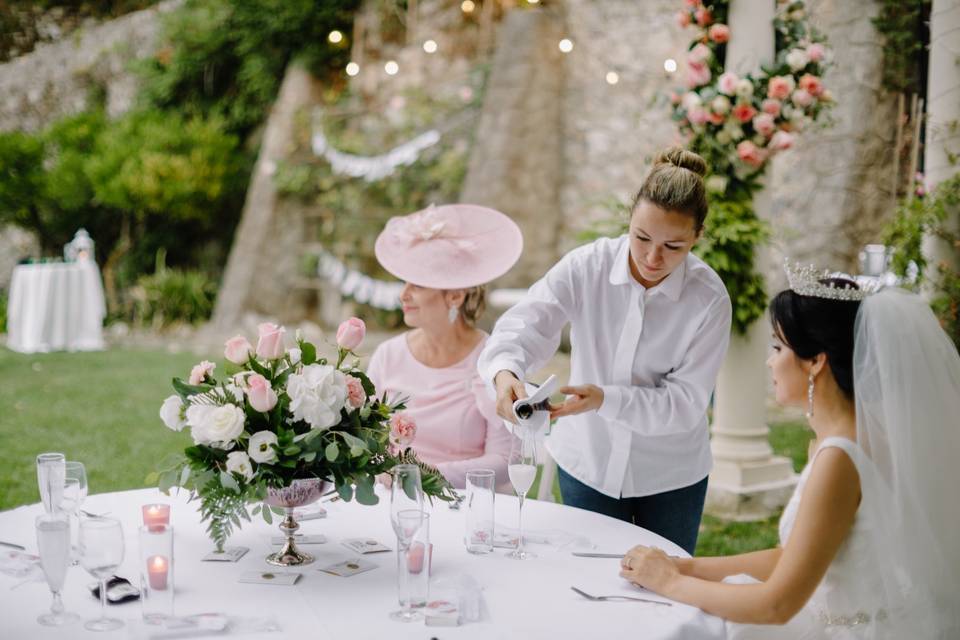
<point x="51" y="472"/>
<point x="53" y="540"/>
<point x="101" y="552"/>
<point x="522" y="469"/>
<point x="406" y="516"/>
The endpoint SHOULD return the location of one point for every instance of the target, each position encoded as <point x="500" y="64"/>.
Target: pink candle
<point x="156" y="516"/>
<point x="415" y="557"/>
<point x="157" y="569"/>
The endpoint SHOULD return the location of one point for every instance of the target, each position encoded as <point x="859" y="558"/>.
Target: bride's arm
<point x="826" y="513"/>
<point x="758" y="564"/>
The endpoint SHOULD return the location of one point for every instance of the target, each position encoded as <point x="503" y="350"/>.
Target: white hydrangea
<point x="215" y="426"/>
<point x="317" y="394"/>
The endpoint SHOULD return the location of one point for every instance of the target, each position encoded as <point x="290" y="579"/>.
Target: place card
<point x="310" y="512"/>
<point x="300" y="538"/>
<point x="364" y="545"/>
<point x="349" y="568"/>
<point x="270" y="577"/>
<point x="229" y="554"/>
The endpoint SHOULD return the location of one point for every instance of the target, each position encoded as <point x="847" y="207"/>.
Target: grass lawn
<point x="102" y="408"/>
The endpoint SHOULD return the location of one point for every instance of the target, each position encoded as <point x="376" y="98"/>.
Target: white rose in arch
<point x="172" y="413"/>
<point x="215" y="426"/>
<point x="317" y="394"/>
<point x="260" y="450"/>
<point x="238" y="462"/>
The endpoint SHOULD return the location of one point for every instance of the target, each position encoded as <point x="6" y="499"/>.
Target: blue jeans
<point x="675" y="515"/>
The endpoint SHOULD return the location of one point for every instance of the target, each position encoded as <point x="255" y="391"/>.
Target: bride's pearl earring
<point x="810" y="397"/>
<point x="452" y="314"/>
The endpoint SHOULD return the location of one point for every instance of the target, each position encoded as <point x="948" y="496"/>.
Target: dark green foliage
<point x="904" y="27"/>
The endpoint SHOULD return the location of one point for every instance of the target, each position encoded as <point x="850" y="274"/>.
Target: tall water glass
<point x="480" y="489"/>
<point x="101" y="552"/>
<point x="522" y="468"/>
<point x="418" y="561"/>
<point x="156" y="573"/>
<point x="53" y="540"/>
<point x="51" y="473"/>
<point x="74" y="493"/>
<point x="406" y="516"/>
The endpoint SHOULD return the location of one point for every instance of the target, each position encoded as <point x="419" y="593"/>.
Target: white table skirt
<point x="523" y="599"/>
<point x="56" y="307"/>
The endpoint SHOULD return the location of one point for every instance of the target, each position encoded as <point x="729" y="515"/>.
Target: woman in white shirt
<point x="649" y="327"/>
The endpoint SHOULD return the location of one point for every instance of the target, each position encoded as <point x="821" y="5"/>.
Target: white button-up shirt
<point x="655" y="353"/>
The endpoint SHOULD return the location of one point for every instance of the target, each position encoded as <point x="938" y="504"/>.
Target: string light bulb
<point x="352" y="69"/>
<point x="430" y="46"/>
<point x="669" y="65"/>
<point x="391" y="68"/>
<point x="335" y="37"/>
<point x="468" y="6"/>
<point x="565" y="45"/>
<point x="613" y="77"/>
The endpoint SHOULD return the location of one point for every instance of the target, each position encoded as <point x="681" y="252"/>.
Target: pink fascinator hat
<point x="452" y="246"/>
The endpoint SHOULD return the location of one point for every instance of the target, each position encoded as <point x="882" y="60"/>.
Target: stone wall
<point x="56" y="79"/>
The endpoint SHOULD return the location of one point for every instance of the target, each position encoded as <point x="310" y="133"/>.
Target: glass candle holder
<point x="156" y="572"/>
<point x="156" y="515"/>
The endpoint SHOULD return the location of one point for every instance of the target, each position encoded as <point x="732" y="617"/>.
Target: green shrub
<point x="3" y="311"/>
<point x="170" y="296"/>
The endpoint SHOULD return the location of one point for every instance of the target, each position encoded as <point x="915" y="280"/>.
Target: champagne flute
<point x="74" y="470"/>
<point x="51" y="472"/>
<point x="101" y="552"/>
<point x="406" y="516"/>
<point x="522" y="469"/>
<point x="53" y="540"/>
<point x="74" y="493"/>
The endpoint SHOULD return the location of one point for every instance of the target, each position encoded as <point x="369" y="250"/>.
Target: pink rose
<point x="717" y="118"/>
<point x="262" y="397"/>
<point x="200" y="372"/>
<point x="811" y="84"/>
<point x="750" y="153"/>
<point x="744" y="112"/>
<point x="802" y="98"/>
<point x="402" y="429"/>
<point x="238" y="350"/>
<point x="692" y="4"/>
<point x="698" y="74"/>
<point x="816" y="52"/>
<point x="699" y="54"/>
<point x="764" y="125"/>
<point x="270" y="345"/>
<point x="350" y="333"/>
<point x="683" y="19"/>
<point x="781" y="140"/>
<point x="780" y="87"/>
<point x="728" y="83"/>
<point x="698" y="115"/>
<point x="356" y="396"/>
<point x="703" y="16"/>
<point x="771" y="106"/>
<point x="674" y="97"/>
<point x="719" y="33"/>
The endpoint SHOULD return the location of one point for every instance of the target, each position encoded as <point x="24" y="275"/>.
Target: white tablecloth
<point x="522" y="599"/>
<point x="56" y="307"/>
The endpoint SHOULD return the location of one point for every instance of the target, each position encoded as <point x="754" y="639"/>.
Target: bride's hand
<point x="649" y="567"/>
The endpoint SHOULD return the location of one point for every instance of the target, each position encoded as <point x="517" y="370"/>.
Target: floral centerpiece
<point x="283" y="418"/>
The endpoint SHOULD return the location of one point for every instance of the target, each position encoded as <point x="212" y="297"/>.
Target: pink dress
<point x="457" y="424"/>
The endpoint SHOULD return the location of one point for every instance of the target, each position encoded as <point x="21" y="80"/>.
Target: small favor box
<point x="441" y="613"/>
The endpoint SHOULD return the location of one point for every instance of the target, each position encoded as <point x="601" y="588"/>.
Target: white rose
<point x="215" y="426"/>
<point x="720" y="104"/>
<point x="690" y="100"/>
<point x="238" y="462"/>
<point x="317" y="394"/>
<point x="723" y="137"/>
<point x="171" y="412"/>
<point x="717" y="183"/>
<point x="295" y="355"/>
<point x="797" y="59"/>
<point x="744" y="89"/>
<point x="260" y="450"/>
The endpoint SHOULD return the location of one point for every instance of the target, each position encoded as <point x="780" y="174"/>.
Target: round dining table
<point x="508" y="598"/>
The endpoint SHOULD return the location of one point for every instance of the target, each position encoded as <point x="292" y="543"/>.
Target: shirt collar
<point x="671" y="286"/>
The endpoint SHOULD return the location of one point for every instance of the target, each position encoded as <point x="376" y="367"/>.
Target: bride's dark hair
<point x="810" y="326"/>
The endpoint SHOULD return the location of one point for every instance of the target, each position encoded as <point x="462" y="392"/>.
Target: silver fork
<point x="604" y="598"/>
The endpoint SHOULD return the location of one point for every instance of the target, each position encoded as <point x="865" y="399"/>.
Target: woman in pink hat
<point x="446" y="255"/>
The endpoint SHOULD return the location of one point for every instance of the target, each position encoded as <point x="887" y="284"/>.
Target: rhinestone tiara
<point x="805" y="280"/>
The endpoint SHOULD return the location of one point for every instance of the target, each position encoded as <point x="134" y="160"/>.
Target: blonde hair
<point x="675" y="183"/>
<point x="474" y="303"/>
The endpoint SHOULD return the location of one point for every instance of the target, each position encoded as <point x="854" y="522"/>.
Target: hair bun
<point x="680" y="157"/>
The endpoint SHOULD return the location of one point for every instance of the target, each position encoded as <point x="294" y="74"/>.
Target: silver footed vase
<point x="298" y="494"/>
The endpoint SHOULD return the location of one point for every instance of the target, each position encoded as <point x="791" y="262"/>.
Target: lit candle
<point x="415" y="557"/>
<point x="157" y="568"/>
<point x="156" y="516"/>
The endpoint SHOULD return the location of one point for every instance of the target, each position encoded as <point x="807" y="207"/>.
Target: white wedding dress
<point x="897" y="573"/>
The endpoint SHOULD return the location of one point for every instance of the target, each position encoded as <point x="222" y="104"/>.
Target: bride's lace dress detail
<point x="843" y="607"/>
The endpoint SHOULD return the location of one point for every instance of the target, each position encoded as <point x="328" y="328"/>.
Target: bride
<point x="869" y="544"/>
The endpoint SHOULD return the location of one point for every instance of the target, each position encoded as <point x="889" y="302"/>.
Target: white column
<point x="943" y="116"/>
<point x="748" y="482"/>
